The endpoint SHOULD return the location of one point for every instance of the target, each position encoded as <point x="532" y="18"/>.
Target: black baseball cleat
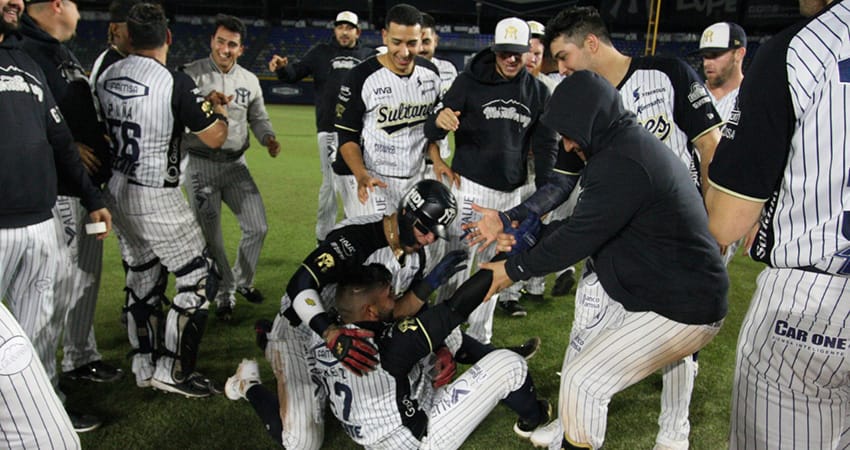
<point x="251" y="294"/>
<point x="194" y="386"/>
<point x="525" y="295"/>
<point x="564" y="283"/>
<point x="513" y="308"/>
<point x="84" y="422"/>
<point x="262" y="328"/>
<point x="527" y="349"/>
<point x="97" y="371"/>
<point x="224" y="312"/>
<point x="525" y="427"/>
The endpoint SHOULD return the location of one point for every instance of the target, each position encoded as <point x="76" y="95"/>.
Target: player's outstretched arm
<point x="486" y="230"/>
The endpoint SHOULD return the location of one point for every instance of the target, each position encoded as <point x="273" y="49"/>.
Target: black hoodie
<point x="37" y="144"/>
<point x="499" y="124"/>
<point x="328" y="62"/>
<point x="639" y="217"/>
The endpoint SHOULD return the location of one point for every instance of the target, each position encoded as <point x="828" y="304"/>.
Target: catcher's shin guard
<point x="190" y="329"/>
<point x="149" y="322"/>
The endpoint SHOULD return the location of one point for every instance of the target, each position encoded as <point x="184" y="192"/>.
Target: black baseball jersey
<point x="389" y="405"/>
<point x="357" y="241"/>
<point x="385" y="113"/>
<point x="147" y="106"/>
<point x="328" y="62"/>
<point x="798" y="89"/>
<point x="499" y="124"/>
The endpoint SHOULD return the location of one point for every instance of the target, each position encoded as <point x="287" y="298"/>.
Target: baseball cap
<point x="722" y="36"/>
<point x="537" y="29"/>
<point x="346" y="17"/>
<point x="512" y="35"/>
<point x="119" y="9"/>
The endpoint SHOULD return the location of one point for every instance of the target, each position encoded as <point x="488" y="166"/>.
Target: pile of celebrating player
<point x="631" y="151"/>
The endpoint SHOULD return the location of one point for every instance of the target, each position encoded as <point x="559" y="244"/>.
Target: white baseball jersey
<point x="724" y="105"/>
<point x="388" y="111"/>
<point x="669" y="100"/>
<point x="146" y="120"/>
<point x="786" y="144"/>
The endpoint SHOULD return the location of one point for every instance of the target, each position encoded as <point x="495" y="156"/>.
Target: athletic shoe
<point x="251" y="294"/>
<point x="97" y="371"/>
<point x="545" y="435"/>
<point x="564" y="283"/>
<point x="247" y="375"/>
<point x="194" y="386"/>
<point x="527" y="349"/>
<point x="224" y="313"/>
<point x="83" y="422"/>
<point x="524" y="428"/>
<point x="525" y="295"/>
<point x="262" y="328"/>
<point x="513" y="308"/>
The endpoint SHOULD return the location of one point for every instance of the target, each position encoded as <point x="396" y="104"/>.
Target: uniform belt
<point x="217" y="154"/>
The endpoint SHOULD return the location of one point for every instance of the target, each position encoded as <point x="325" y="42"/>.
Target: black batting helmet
<point x="430" y="206"/>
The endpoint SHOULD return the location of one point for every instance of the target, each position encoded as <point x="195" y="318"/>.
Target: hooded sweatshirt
<point x="639" y="218"/>
<point x="499" y="124"/>
<point x="38" y="143"/>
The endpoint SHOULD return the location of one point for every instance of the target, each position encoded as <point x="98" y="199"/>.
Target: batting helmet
<point x="429" y="206"/>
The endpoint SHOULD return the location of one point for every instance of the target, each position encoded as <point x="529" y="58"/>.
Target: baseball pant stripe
<point x="327" y="210"/>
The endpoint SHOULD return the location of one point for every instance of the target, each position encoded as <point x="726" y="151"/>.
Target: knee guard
<point x="190" y="328"/>
<point x="149" y="320"/>
<point x="207" y="286"/>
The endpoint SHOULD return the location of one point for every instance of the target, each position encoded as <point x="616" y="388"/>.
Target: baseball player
<point x="29" y="250"/>
<point x="328" y="63"/>
<point x="216" y="175"/>
<point x="448" y="73"/>
<point x="31" y="414"/>
<point x="395" y="241"/>
<point x="782" y="164"/>
<point x="493" y="107"/>
<point x="46" y="26"/>
<point x="652" y="262"/>
<point x="147" y="107"/>
<point x="670" y="101"/>
<point x="383" y="104"/>
<point x="397" y="406"/>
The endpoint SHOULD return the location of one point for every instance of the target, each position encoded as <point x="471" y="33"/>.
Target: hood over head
<point x="482" y="67"/>
<point x="586" y="109"/>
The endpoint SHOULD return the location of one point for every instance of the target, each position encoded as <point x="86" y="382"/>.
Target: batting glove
<point x="445" y="367"/>
<point x="350" y="347"/>
<point x="451" y="264"/>
<point x="526" y="234"/>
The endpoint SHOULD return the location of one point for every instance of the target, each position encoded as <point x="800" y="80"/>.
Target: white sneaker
<point x="247" y="375"/>
<point x="544" y="436"/>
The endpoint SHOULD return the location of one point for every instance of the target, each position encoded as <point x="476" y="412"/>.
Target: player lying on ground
<point x="655" y="285"/>
<point x="397" y="406"/>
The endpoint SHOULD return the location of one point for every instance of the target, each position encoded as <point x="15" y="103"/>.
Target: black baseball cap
<point x="722" y="36"/>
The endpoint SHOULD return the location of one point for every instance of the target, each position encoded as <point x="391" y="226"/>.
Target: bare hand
<point x="486" y="230"/>
<point x="90" y="161"/>
<point x="278" y="62"/>
<point x="365" y="185"/>
<point x="448" y="120"/>
<point x="441" y="169"/>
<point x="218" y="98"/>
<point x="102" y="215"/>
<point x="273" y="145"/>
<point x="500" y="278"/>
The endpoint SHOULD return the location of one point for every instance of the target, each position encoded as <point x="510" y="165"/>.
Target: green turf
<point x="142" y="418"/>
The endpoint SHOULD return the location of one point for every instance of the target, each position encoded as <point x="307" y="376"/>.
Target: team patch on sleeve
<point x="698" y="95"/>
<point x="325" y="262"/>
<point x="207" y="108"/>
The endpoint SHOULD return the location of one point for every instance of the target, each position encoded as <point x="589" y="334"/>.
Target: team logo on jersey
<point x="698" y="95"/>
<point x="507" y="110"/>
<point x="125" y="88"/>
<point x="242" y="96"/>
<point x="382" y="91"/>
<point x="425" y="86"/>
<point x="15" y="355"/>
<point x="403" y="116"/>
<point x="325" y="262"/>
<point x="324" y="356"/>
<point x="408" y="325"/>
<point x="660" y="126"/>
<point x="207" y="108"/>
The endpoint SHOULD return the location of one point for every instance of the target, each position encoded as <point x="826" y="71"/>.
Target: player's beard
<point x="8" y="27"/>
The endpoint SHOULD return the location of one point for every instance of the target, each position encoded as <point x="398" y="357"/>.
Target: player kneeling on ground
<point x="397" y="406"/>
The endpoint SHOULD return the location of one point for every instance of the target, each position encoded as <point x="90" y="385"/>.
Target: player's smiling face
<point x="403" y="43"/>
<point x="508" y="64"/>
<point x="226" y="48"/>
<point x="346" y="35"/>
<point x="570" y="57"/>
<point x="12" y="11"/>
<point x="429" y="43"/>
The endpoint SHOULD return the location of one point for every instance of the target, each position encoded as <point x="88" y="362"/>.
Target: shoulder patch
<point x="408" y="325"/>
<point x="325" y="262"/>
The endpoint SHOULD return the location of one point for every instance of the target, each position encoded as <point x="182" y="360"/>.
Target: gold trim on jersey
<point x="735" y="194"/>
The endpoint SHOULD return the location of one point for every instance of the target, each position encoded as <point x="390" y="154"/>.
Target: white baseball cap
<point x="346" y="17"/>
<point x="537" y="28"/>
<point x="512" y="35"/>
<point x="722" y="36"/>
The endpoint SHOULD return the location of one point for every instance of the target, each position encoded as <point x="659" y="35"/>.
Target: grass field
<point x="142" y="418"/>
